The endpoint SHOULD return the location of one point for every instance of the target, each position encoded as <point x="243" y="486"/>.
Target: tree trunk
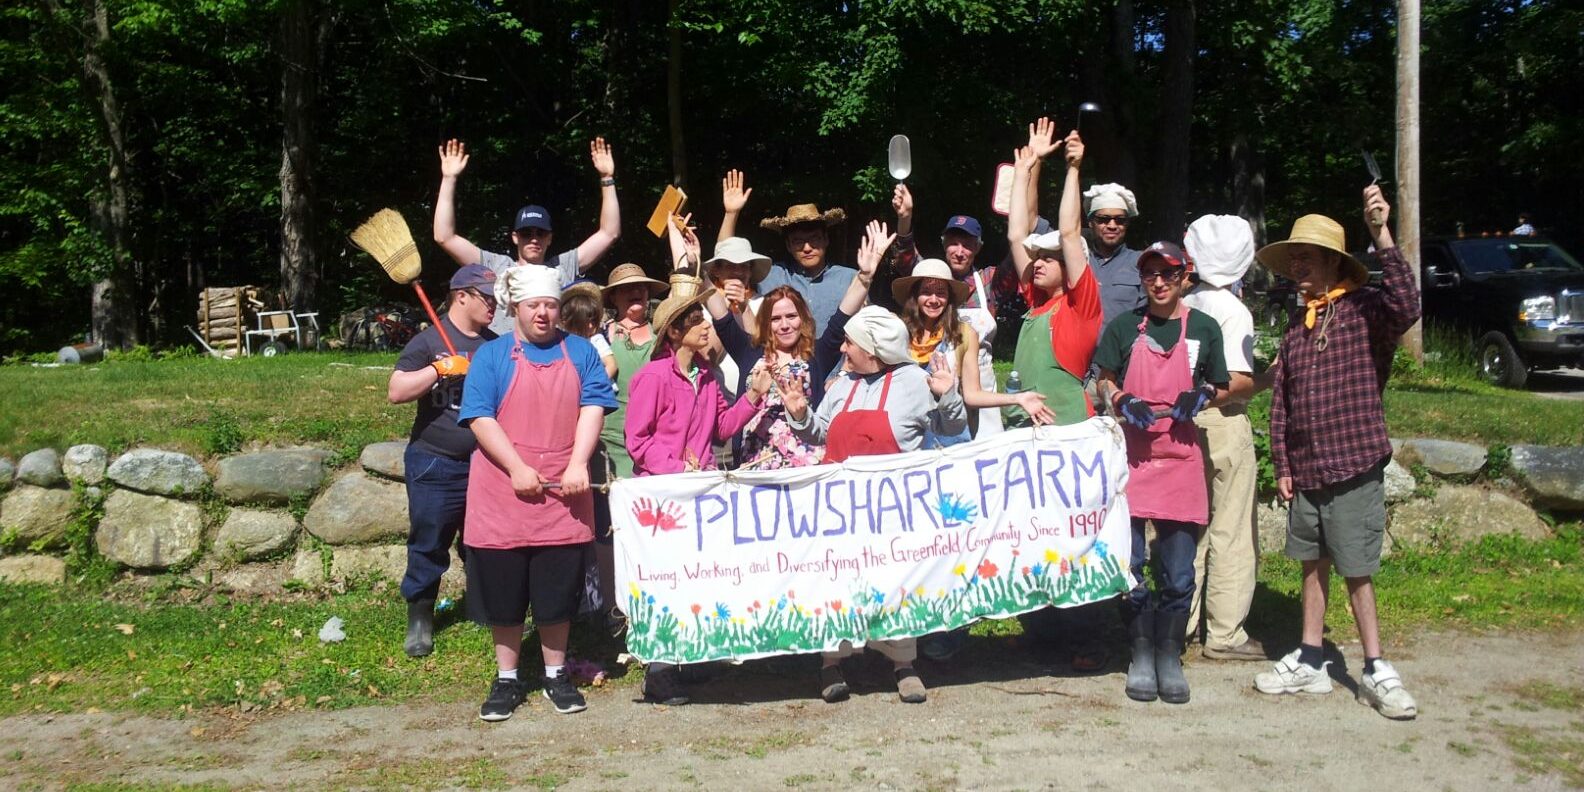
<point x="1176" y="120"/>
<point x="1248" y="185"/>
<point x="1407" y="210"/>
<point x="1122" y="30"/>
<point x="679" y="168"/>
<point x="299" y="87"/>
<point x="114" y="299"/>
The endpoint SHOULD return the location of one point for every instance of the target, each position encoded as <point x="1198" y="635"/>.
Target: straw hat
<point x="626" y="274"/>
<point x="1320" y="231"/>
<point x="803" y="213"/>
<point x="686" y="292"/>
<point x="902" y="288"/>
<point x="736" y="250"/>
<point x="582" y="287"/>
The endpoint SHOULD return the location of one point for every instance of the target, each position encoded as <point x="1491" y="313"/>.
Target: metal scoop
<point x="900" y="159"/>
<point x="1086" y="107"/>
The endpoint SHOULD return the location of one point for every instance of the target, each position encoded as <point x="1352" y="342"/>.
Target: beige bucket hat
<point x="736" y="250"/>
<point x="1320" y="231"/>
<point x="927" y="269"/>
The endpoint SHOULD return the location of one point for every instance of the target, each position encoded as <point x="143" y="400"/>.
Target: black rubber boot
<point x="1141" y="685"/>
<point x="420" y="628"/>
<point x="1169" y="630"/>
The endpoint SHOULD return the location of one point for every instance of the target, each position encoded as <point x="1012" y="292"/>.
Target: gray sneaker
<point x="1384" y="691"/>
<point x="1292" y="676"/>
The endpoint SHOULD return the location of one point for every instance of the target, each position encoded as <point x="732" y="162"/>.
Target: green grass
<point x="202" y="405"/>
<point x="64" y="651"/>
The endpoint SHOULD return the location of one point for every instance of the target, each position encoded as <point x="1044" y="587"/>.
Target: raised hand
<point x="760" y="383"/>
<point x="683" y="241"/>
<point x="1023" y="158"/>
<point x="1042" y="138"/>
<point x="794" y="399"/>
<point x="733" y="196"/>
<point x="735" y="293"/>
<point x="453" y="158"/>
<point x="941" y="380"/>
<point x="600" y="153"/>
<point x="1376" y="210"/>
<point x="1075" y="149"/>
<point x="902" y="203"/>
<point x="877" y="240"/>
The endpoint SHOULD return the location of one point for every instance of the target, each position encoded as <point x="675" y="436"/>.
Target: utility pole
<point x="1407" y="236"/>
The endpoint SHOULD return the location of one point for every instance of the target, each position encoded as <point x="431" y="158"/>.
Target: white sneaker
<point x="1384" y="691"/>
<point x="1292" y="676"/>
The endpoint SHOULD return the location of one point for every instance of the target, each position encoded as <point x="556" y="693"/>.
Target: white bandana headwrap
<point x="1111" y="196"/>
<point x="1050" y="241"/>
<point x="1222" y="248"/>
<point x="525" y="282"/>
<point x="880" y="333"/>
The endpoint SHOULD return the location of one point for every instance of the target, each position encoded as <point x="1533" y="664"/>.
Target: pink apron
<point x="1166" y="468"/>
<point x="540" y="415"/>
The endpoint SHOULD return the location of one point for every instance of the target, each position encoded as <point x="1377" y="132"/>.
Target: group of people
<point x="537" y="385"/>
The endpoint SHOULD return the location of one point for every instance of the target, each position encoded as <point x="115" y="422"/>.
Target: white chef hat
<point x="880" y="333"/>
<point x="525" y="282"/>
<point x="1222" y="248"/>
<point x="1111" y="196"/>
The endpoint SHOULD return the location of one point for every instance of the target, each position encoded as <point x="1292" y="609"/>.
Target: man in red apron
<point x="1171" y="365"/>
<point x="536" y="400"/>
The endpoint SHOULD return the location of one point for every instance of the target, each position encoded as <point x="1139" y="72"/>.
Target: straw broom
<point x="385" y="237"/>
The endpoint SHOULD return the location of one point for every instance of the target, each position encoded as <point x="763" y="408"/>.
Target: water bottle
<point x="1013" y="416"/>
<point x="444" y="605"/>
<point x="1014" y="383"/>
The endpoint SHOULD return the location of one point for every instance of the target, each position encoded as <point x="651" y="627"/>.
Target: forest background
<point x="151" y="148"/>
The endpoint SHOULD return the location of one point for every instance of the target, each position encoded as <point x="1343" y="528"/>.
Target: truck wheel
<point x="1499" y="363"/>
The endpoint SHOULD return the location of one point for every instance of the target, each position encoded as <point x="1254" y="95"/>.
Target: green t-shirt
<point x="1205" y="354"/>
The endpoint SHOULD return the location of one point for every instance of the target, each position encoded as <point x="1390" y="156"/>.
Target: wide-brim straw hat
<point x="803" y="213"/>
<point x="686" y="292"/>
<point x="583" y="287"/>
<point x="1320" y="231"/>
<point x="736" y="250"/>
<point x="627" y="274"/>
<point x="926" y="269"/>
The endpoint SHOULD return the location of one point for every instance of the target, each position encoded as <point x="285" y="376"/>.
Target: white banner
<point x="737" y="565"/>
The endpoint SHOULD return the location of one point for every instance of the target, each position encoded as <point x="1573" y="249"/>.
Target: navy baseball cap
<point x="474" y="276"/>
<point x="965" y="224"/>
<point x="532" y="216"/>
<point x="1168" y="252"/>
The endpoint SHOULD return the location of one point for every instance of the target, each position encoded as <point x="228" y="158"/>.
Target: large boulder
<point x="1400" y="484"/>
<point x="33" y="569"/>
<point x="357" y="509"/>
<point x="388" y="459"/>
<point x="37" y="515"/>
<point x="388" y="562"/>
<point x="85" y="463"/>
<point x="149" y="532"/>
<point x="158" y="472"/>
<point x="7" y="473"/>
<point x="41" y="468"/>
<point x="1459" y="514"/>
<point x="1442" y="457"/>
<point x="1553" y="477"/>
<point x="271" y="477"/>
<point x="258" y="578"/>
<point x="250" y="534"/>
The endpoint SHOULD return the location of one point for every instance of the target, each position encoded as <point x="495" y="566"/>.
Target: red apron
<point x="540" y="415"/>
<point x="861" y="432"/>
<point x="1166" y="478"/>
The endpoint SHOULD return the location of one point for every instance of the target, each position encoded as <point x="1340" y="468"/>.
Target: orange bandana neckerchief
<point x="922" y="350"/>
<point x="1314" y="304"/>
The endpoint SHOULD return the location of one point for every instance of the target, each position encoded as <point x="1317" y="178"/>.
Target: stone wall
<point x="279" y="518"/>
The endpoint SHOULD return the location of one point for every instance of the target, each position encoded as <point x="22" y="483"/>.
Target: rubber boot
<point x="1141" y="685"/>
<point x="1169" y="630"/>
<point x="420" y="628"/>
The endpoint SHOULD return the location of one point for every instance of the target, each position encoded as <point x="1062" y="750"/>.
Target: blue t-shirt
<point x="823" y="292"/>
<point x="490" y="374"/>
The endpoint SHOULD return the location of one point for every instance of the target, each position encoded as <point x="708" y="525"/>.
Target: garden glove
<point x="451" y="366"/>
<point x="1190" y="402"/>
<point x="1135" y="411"/>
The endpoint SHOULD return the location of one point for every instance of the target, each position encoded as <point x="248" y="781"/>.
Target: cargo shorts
<point x="1344" y="521"/>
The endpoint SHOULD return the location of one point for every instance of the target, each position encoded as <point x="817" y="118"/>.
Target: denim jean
<point x="1176" y="545"/>
<point x="436" y="505"/>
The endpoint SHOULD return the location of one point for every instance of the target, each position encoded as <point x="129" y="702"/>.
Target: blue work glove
<point x="1135" y="411"/>
<point x="1190" y="402"/>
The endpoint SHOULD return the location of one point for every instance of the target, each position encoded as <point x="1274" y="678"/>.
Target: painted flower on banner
<point x="987" y="569"/>
<point x="663" y="516"/>
<point x="1051" y="556"/>
<point x="721" y="611"/>
<point x="696" y="609"/>
<point x="959" y="570"/>
<point x="956" y="509"/>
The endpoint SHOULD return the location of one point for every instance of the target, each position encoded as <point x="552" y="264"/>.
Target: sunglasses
<point x="1100" y="219"/>
<point x="1168" y="276"/>
<point x="478" y="295"/>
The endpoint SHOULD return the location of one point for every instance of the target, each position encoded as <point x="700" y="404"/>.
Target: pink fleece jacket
<point x="666" y="418"/>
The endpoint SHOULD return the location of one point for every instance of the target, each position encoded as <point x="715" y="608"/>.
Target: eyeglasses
<point x="1168" y="276"/>
<point x="478" y="295"/>
<point x="1099" y="219"/>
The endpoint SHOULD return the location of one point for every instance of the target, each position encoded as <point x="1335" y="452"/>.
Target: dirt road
<point x="1496" y="712"/>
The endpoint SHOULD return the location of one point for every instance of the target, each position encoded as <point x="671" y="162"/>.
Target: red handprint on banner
<point x="667" y="516"/>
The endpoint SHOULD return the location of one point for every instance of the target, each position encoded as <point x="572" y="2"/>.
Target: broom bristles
<point x="385" y="237"/>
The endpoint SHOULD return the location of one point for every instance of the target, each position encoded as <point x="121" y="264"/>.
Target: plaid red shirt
<point x="1327" y="422"/>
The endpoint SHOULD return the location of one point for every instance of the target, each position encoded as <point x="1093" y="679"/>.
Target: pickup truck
<point x="1520" y="298"/>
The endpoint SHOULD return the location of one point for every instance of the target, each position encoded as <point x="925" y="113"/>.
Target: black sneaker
<point x="563" y="695"/>
<point x="663" y="685"/>
<point x="504" y="696"/>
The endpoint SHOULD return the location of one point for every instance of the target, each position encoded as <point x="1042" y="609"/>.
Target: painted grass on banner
<point x="713" y="566"/>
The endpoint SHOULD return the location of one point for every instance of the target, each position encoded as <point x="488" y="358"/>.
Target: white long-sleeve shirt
<point x="910" y="406"/>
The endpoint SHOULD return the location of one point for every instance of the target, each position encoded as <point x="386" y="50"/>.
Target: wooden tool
<point x="671" y="203"/>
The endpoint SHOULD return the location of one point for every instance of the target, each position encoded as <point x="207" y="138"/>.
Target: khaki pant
<point x="1229" y="548"/>
<point x="897" y="650"/>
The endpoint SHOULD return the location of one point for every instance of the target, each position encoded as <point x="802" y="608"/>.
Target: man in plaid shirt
<point x="1328" y="437"/>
